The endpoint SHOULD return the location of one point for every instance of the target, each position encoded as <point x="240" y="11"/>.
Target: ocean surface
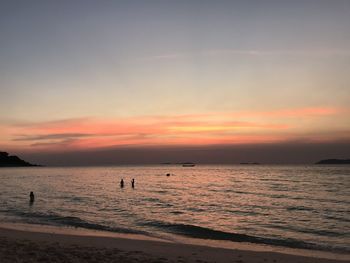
<point x="289" y="206"/>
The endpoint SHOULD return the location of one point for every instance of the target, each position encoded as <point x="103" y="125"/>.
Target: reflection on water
<point x="294" y="206"/>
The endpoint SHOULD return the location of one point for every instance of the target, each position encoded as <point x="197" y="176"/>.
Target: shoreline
<point x="57" y="242"/>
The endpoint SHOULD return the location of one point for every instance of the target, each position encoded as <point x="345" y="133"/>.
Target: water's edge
<point x="246" y="246"/>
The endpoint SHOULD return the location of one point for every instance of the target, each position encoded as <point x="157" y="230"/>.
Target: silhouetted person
<point x="31" y="197"/>
<point x="133" y="183"/>
<point x="121" y="183"/>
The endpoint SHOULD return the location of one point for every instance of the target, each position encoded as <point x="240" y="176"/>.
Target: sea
<point x="298" y="206"/>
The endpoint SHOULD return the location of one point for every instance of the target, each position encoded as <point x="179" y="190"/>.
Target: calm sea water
<point x="291" y="206"/>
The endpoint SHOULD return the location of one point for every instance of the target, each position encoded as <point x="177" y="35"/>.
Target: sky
<point x="159" y="80"/>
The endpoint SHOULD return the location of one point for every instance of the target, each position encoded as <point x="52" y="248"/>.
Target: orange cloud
<point x="195" y="129"/>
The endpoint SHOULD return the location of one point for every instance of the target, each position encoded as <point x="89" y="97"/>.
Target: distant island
<point x="186" y="164"/>
<point x="7" y="160"/>
<point x="255" y="163"/>
<point x="334" y="161"/>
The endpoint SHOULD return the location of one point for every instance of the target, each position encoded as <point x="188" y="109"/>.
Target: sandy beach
<point x="32" y="246"/>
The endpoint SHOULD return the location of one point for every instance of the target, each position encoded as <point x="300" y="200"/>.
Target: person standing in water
<point x="121" y="183"/>
<point x="31" y="197"/>
<point x="133" y="183"/>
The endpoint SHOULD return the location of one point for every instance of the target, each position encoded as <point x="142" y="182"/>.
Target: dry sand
<point x="30" y="246"/>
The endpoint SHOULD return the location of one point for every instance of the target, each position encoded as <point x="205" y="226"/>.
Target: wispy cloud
<point x="57" y="136"/>
<point x="54" y="144"/>
<point x="192" y="129"/>
<point x="279" y="52"/>
<point x="252" y="53"/>
<point x="292" y="113"/>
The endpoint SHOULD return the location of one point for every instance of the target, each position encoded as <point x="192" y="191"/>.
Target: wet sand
<point x="29" y="246"/>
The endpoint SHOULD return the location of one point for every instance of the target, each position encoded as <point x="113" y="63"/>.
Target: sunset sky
<point x="90" y="76"/>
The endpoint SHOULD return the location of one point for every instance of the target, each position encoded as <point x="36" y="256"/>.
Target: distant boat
<point x="188" y="165"/>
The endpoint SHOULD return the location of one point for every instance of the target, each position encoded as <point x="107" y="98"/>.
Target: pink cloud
<point x="192" y="129"/>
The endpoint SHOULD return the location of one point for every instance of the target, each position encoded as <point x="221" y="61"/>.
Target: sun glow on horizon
<point x="202" y="129"/>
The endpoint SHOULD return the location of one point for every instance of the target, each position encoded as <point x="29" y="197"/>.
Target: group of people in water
<point x="31" y="195"/>
<point x="132" y="183"/>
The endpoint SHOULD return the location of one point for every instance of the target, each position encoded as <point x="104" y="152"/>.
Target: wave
<point x="194" y="231"/>
<point x="299" y="208"/>
<point x="187" y="230"/>
<point x="55" y="219"/>
<point x="319" y="232"/>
